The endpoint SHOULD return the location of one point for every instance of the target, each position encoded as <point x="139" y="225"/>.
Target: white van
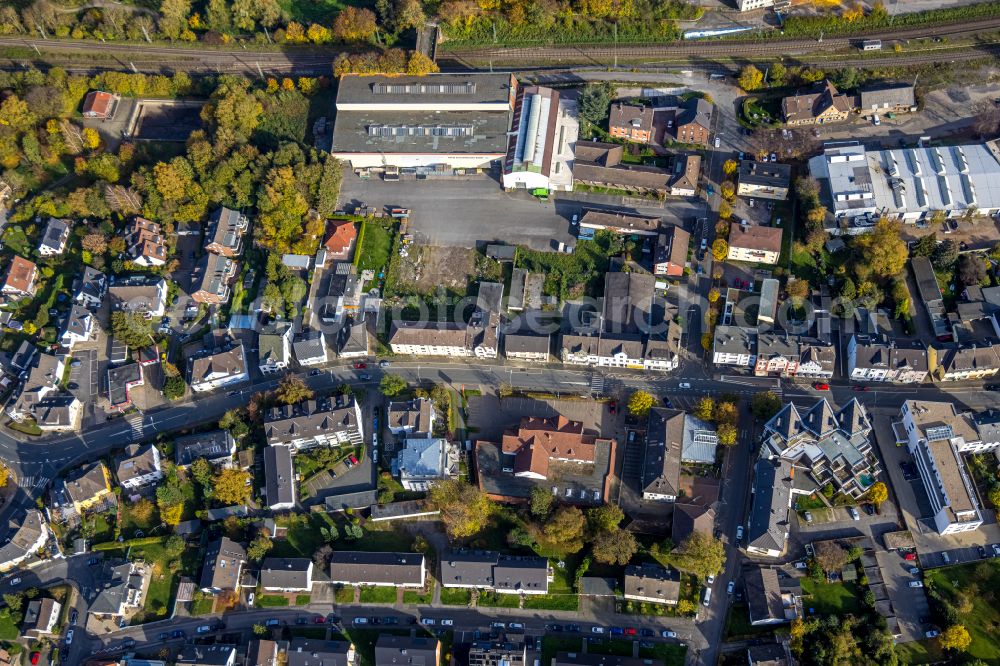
<point x="708" y="597"/>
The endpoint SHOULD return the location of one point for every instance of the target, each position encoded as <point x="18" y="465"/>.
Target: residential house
<point x="768" y="603"/>
<point x="769" y="654"/>
<point x="279" y="477"/>
<point x="735" y="345"/>
<point x="634" y="331"/>
<point x="19" y="281"/>
<point x="340" y="239"/>
<point x="973" y="361"/>
<point x="121" y="380"/>
<point x="479" y="338"/>
<point x="764" y="180"/>
<point x="653" y="584"/>
<point x="507" y="652"/>
<point x="330" y="421"/>
<point x="632" y="123"/>
<point x="353" y="339"/>
<point x="207" y="655"/>
<point x="879" y="359"/>
<point x="830" y="447"/>
<point x="138" y="466"/>
<point x="263" y="652"/>
<point x="694" y="122"/>
<point x="599" y="165"/>
<point x="315" y="652"/>
<point x="54" y="238"/>
<point x="80" y="327"/>
<point x="662" y="463"/>
<point x="145" y="242"/>
<point x="310" y="349"/>
<point x="22" y="360"/>
<point x="930" y="295"/>
<point x="90" y="288"/>
<point x="100" y="105"/>
<point x="691" y="518"/>
<point x="211" y="278"/>
<point x="381" y="569"/>
<point x="936" y="435"/>
<point x="225" y="232"/>
<point x="141" y="294"/>
<point x="551" y="453"/>
<point x="393" y="650"/>
<point x="344" y="291"/>
<point x="821" y="105"/>
<point x="216" y="446"/>
<point x="40" y="618"/>
<point x="777" y="354"/>
<point x="121" y="590"/>
<point x="767" y="309"/>
<point x="594" y="220"/>
<point x="286" y="574"/>
<point x="218" y="370"/>
<point x="88" y="486"/>
<point x="274" y="344"/>
<point x="412" y="418"/>
<point x="768" y="525"/>
<point x="671" y="252"/>
<point x="887" y="98"/>
<point x="490" y="570"/>
<point x="527" y="346"/>
<point x="56" y="413"/>
<point x="223" y="567"/>
<point x="42" y="379"/>
<point x="754" y="244"/>
<point x="422" y="462"/>
<point x="816" y="360"/>
<point x="26" y="533"/>
<point x="687" y="170"/>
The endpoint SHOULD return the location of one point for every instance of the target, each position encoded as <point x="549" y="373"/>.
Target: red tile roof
<point x="20" y="275"/>
<point x="98" y="103"/>
<point x="539" y="440"/>
<point x="339" y="236"/>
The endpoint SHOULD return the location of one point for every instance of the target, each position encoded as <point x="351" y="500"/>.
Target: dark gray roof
<point x="137" y="460"/>
<point x="224" y="562"/>
<point x="662" y="468"/>
<point x="226" y="227"/>
<point x="354" y="337"/>
<point x="215" y="446"/>
<point x="92" y="283"/>
<point x="285" y="572"/>
<point x="286" y="423"/>
<point x="370" y="568"/>
<point x="411" y="650"/>
<point x="23" y="531"/>
<point x="400" y="91"/>
<point x="361" y="499"/>
<point x="767" y="174"/>
<point x="927" y="284"/>
<point x="525" y="343"/>
<point x="279" y="481"/>
<point x="763" y="594"/>
<point x="521" y="574"/>
<point x="768" y="654"/>
<point x="313" y="652"/>
<point x="486" y="132"/>
<point x="590" y="659"/>
<point x="309" y="347"/>
<point x="120" y="580"/>
<point x="768" y="521"/>
<point x="119" y="379"/>
<point x="56" y="233"/>
<point x="734" y="340"/>
<point x="473" y="569"/>
<point x="212" y="274"/>
<point x="696" y="110"/>
<point x="652" y="581"/>
<point x="893" y="94"/>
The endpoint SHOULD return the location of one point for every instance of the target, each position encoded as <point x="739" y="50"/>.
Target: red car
<point x="910" y="557"/>
<point x="360" y="366"/>
<point x="860" y="388"/>
<point x="319" y="619"/>
<point x="630" y="631"/>
<point x="819" y="386"/>
<point x="35" y="656"/>
<point x="613" y="406"/>
<point x="354" y="461"/>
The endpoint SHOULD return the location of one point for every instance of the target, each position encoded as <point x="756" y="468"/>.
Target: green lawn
<point x="16" y="240"/>
<point x="131" y="523"/>
<point x="163" y="585"/>
<point x="380" y="541"/>
<point x="271" y="601"/>
<point x="202" y="604"/>
<point x="830" y="598"/>
<point x="808" y="502"/>
<point x="566" y="602"/>
<point x="303" y="537"/>
<point x="738" y="625"/>
<point x="344" y="595"/>
<point x="978" y="581"/>
<point x="926" y="651"/>
<point x="372" y="594"/>
<point x="376" y="245"/>
<point x="670" y="653"/>
<point x="494" y="600"/>
<point x="303" y="599"/>
<point x="8" y="625"/>
<point x="455" y="597"/>
<point x="418" y="597"/>
<point x="614" y="646"/>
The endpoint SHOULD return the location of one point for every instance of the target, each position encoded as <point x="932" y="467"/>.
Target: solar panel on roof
<point x="420" y="130"/>
<point x="467" y="88"/>
<point x="937" y="433"/>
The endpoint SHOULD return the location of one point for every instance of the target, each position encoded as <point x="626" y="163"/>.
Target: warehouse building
<point x="419" y="126"/>
<point x="541" y="143"/>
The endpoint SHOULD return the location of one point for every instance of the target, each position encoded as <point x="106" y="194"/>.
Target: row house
<point x="323" y="422"/>
<point x="880" y="360"/>
<point x="145" y="242"/>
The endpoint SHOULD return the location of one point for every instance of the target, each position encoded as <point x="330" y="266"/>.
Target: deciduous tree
<point x="883" y="250"/>
<point x="956" y="637"/>
<point x="727" y="434"/>
<point x="131" y="329"/>
<point x="391" y="385"/>
<point x="259" y="548"/>
<point x="720" y="249"/>
<point x="292" y="390"/>
<point x="615" y="547"/>
<point x="541" y="502"/>
<point x="878" y="493"/>
<point x="230" y="486"/>
<point x="354" y="25"/>
<point x="639" y="404"/>
<point x="700" y="554"/>
<point x="465" y="509"/>
<point x="705" y="409"/>
<point x="563" y="533"/>
<point x="750" y="78"/>
<point x="830" y="555"/>
<point x="604" y="518"/>
<point x="765" y="405"/>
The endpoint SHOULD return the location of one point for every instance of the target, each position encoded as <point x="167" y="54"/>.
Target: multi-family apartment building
<point x="330" y="421"/>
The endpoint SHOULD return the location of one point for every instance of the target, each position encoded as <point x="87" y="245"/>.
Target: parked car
<point x="730" y="587"/>
<point x="666" y="633"/>
<point x="932" y="633"/>
<point x="129" y="643"/>
<point x="854" y="513"/>
<point x="360" y="620"/>
<point x="869" y="508"/>
<point x="739" y="533"/>
<point x="176" y="633"/>
<point x="498" y="625"/>
<point x="617" y="631"/>
<point x="365" y="377"/>
<point x="710" y="580"/>
<point x="573" y="628"/>
<point x="205" y="628"/>
<point x="273" y="622"/>
<point x="163" y="636"/>
<point x="15" y="581"/>
<point x="982" y="551"/>
<point x="553" y="627"/>
<point x="946" y="558"/>
<point x="35" y="656"/>
<point x="630" y="631"/>
<point x="301" y="620"/>
<point x="774" y="157"/>
<point x="354" y="461"/>
<point x="319" y="619"/>
<point x="916" y="583"/>
<point x="809" y="517"/>
<point x="801" y="565"/>
<point x="597" y="630"/>
<point x="914" y="570"/>
<point x="647" y="633"/>
<point x="996" y="550"/>
<point x="69" y="637"/>
<point x="390" y="619"/>
<point x="250" y="599"/>
<point x="515" y="626"/>
<point x="910" y="557"/>
<point x="447" y="623"/>
<point x="315" y="373"/>
<point x="613" y="406"/>
<point x="684" y="385"/>
<point x="360" y="366"/>
<point x="427" y="621"/>
<point x="72" y="616"/>
<point x="820" y="386"/>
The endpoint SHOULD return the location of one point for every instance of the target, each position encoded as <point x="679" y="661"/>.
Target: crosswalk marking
<point x="136" y="423"/>
<point x="596" y="383"/>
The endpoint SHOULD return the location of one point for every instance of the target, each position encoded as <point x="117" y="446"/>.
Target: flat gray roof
<point x="483" y="132"/>
<point x="442" y="88"/>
